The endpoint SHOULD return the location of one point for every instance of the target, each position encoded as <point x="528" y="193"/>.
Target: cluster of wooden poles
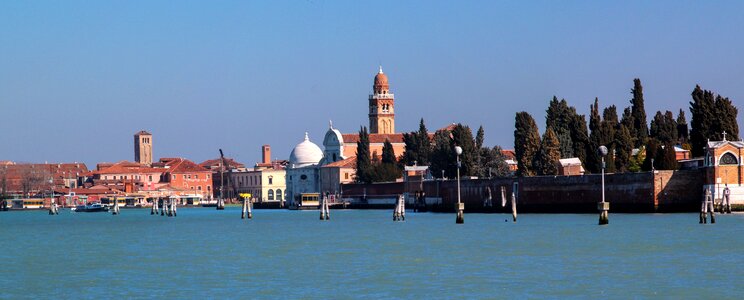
<point x="708" y="206"/>
<point x="168" y="208"/>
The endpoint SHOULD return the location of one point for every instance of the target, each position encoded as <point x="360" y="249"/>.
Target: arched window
<point x="728" y="159"/>
<point x="278" y="194"/>
<point x="271" y="194"/>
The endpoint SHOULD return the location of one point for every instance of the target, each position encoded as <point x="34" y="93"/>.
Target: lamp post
<point x="603" y="207"/>
<point x="460" y="206"/>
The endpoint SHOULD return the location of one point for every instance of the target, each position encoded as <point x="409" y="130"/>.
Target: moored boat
<point x="91" y="207"/>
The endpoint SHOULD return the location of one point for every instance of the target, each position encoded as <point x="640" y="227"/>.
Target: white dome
<point x="305" y="154"/>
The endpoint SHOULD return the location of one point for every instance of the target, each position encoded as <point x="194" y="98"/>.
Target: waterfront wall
<point x="660" y="191"/>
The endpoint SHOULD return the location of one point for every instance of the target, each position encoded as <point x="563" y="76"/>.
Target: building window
<point x="278" y="194"/>
<point x="271" y="194"/>
<point x="303" y="177"/>
<point x="334" y="156"/>
<point x="196" y="176"/>
<point x="150" y="178"/>
<point x="346" y="175"/>
<point x="209" y="188"/>
<point x="184" y="176"/>
<point x="271" y="180"/>
<point x="207" y="176"/>
<point x="198" y="188"/>
<point x="728" y="159"/>
<point x="189" y="176"/>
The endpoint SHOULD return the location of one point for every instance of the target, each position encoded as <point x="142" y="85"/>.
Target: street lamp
<point x="603" y="207"/>
<point x="460" y="206"/>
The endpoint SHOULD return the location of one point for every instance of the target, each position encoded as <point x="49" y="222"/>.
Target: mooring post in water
<point x="487" y="202"/>
<point x="399" y="213"/>
<point x="175" y="208"/>
<point x="162" y="207"/>
<point x="325" y="212"/>
<point x="726" y="201"/>
<point x="116" y="206"/>
<point x="503" y="196"/>
<point x="514" y="206"/>
<point x="250" y="207"/>
<point x="707" y="207"/>
<point x="153" y="209"/>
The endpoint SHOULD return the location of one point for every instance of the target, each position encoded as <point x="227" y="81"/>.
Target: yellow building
<point x="266" y="182"/>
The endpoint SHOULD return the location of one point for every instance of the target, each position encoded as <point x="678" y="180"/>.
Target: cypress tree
<point x="664" y="127"/>
<point x="683" y="134"/>
<point x="549" y="154"/>
<point x="388" y="154"/>
<point x="593" y="162"/>
<point x="579" y="136"/>
<point x="526" y="143"/>
<point x="479" y="137"/>
<point x="443" y="155"/>
<point x="363" y="164"/>
<point x="640" y="126"/>
<point x="703" y="121"/>
<point x="462" y="136"/>
<point x="725" y="119"/>
<point x="495" y="162"/>
<point x="607" y="129"/>
<point x="652" y="149"/>
<point x="418" y="147"/>
<point x="623" y="149"/>
<point x="559" y="117"/>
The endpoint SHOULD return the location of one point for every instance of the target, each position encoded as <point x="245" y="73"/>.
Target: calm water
<point x="291" y="254"/>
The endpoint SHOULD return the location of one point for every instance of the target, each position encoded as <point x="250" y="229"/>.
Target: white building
<point x="303" y="173"/>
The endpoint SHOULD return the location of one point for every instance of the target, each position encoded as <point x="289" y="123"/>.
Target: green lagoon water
<point x="204" y="253"/>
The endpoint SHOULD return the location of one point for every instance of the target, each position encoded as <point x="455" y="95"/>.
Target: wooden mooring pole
<point x="707" y="207"/>
<point x="399" y="213"/>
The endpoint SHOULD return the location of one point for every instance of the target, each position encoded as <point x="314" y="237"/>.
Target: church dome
<point x="305" y="153"/>
<point x="381" y="79"/>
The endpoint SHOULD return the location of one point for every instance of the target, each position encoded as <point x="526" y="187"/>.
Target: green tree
<point x="560" y="117"/>
<point x="387" y="169"/>
<point x="725" y="119"/>
<point x="664" y="127"/>
<point x="363" y="164"/>
<point x="443" y="155"/>
<point x="703" y="121"/>
<point x="683" y="133"/>
<point x="623" y="149"/>
<point x="526" y="143"/>
<point x="666" y="157"/>
<point x="652" y="149"/>
<point x="607" y="129"/>
<point x="462" y="136"/>
<point x="418" y="147"/>
<point x="579" y="136"/>
<point x="640" y="126"/>
<point x="593" y="162"/>
<point x="494" y="163"/>
<point x="549" y="154"/>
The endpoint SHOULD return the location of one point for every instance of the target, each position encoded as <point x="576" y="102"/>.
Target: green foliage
<point x="607" y="129"/>
<point x="664" y="127"/>
<point x="725" y="119"/>
<point x="640" y="126"/>
<point x="636" y="161"/>
<point x="560" y="117"/>
<point x="387" y="169"/>
<point x="579" y="136"/>
<point x="526" y="143"/>
<point x="666" y="158"/>
<point x="463" y="137"/>
<point x="623" y="149"/>
<point x="418" y="147"/>
<point x="652" y="148"/>
<point x="363" y="164"/>
<point x="549" y="154"/>
<point x="683" y="133"/>
<point x="593" y="163"/>
<point x="702" y="108"/>
<point x="493" y="163"/>
<point x="443" y="155"/>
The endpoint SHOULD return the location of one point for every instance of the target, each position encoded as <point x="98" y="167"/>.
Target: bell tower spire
<point x="381" y="106"/>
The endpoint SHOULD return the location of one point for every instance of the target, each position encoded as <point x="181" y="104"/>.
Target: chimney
<point x="266" y="154"/>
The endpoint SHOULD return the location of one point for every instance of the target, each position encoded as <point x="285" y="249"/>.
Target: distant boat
<point x="92" y="207"/>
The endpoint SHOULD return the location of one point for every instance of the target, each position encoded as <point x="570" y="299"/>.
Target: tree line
<point x="632" y="144"/>
<point x="436" y="151"/>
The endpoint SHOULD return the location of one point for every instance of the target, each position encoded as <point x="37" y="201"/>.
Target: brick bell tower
<point x="381" y="106"/>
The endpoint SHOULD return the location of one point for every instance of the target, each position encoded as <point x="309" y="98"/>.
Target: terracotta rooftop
<point x="215" y="163"/>
<point x="142" y="132"/>
<point x="346" y="163"/>
<point x="125" y="167"/>
<point x="181" y="165"/>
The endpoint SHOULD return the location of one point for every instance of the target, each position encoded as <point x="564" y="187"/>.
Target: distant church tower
<point x="143" y="148"/>
<point x="381" y="106"/>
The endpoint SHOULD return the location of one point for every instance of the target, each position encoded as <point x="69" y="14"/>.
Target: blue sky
<point x="79" y="78"/>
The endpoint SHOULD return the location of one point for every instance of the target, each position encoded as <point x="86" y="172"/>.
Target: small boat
<point x="92" y="207"/>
